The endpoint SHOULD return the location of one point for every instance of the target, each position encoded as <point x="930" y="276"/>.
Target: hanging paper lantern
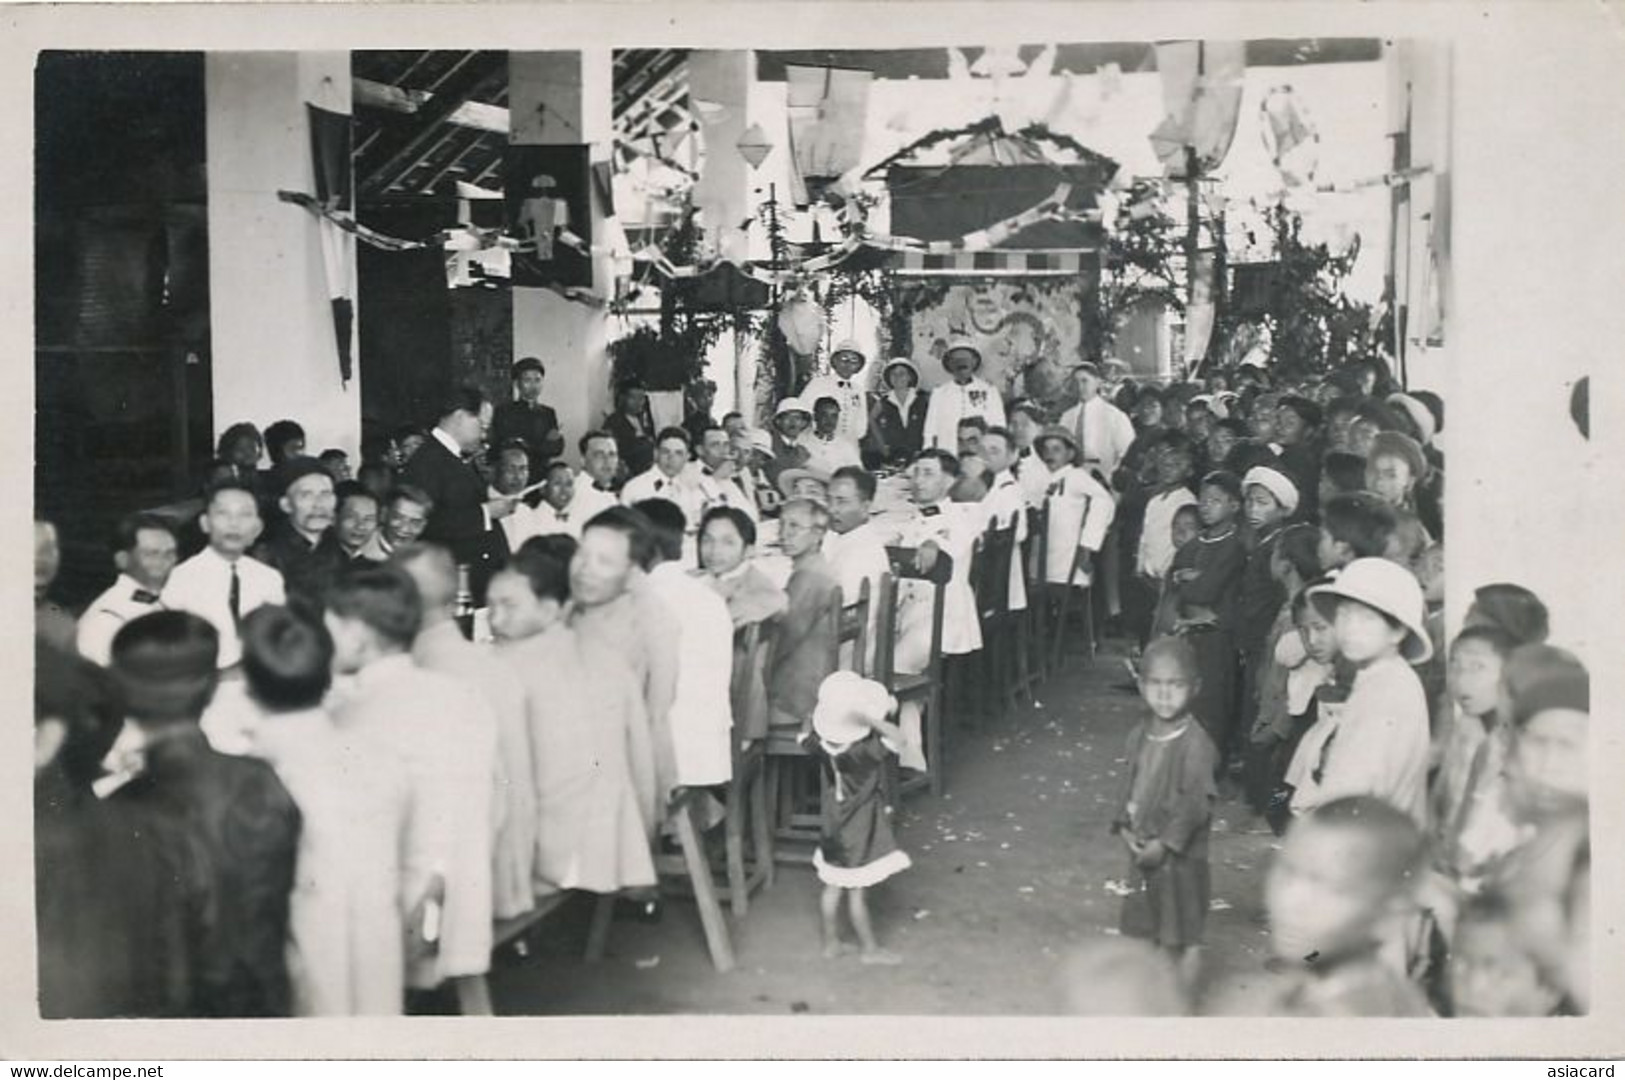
<point x="1289" y="136"/>
<point x="754" y="145"/>
<point x="802" y="321"/>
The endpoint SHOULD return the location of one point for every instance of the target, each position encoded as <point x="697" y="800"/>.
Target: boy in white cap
<point x="1270" y="498"/>
<point x="792" y="420"/>
<point x="843" y="382"/>
<point x="966" y="394"/>
<point x="1381" y="744"/>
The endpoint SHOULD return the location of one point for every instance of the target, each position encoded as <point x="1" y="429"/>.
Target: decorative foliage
<point x="1143" y="261"/>
<point x="1311" y="321"/>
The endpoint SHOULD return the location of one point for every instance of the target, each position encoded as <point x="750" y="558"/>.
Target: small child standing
<point x="1168" y="804"/>
<point x="1293" y="564"/>
<point x="1174" y="458"/>
<point x="1207" y="607"/>
<point x="852" y="738"/>
<point x="1186" y="527"/>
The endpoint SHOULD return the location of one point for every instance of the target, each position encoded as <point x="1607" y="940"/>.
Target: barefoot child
<point x="853" y="737"/>
<point x="1168" y="804"/>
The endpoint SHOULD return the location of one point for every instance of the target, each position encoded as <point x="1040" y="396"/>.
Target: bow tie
<point x="844" y="385"/>
<point x="562" y="515"/>
<point x="930" y="511"/>
<point x="143" y="596"/>
<point x="660" y="485"/>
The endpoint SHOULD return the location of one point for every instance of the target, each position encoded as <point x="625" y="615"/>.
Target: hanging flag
<point x="335" y="191"/>
<point x="1201" y="99"/>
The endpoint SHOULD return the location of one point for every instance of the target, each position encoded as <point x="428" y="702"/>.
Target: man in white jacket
<point x="965" y="395"/>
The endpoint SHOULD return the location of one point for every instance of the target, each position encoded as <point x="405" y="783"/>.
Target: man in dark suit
<point x="228" y="829"/>
<point x="527" y="419"/>
<point x="302" y="545"/>
<point x="464" y="518"/>
<point x="633" y="427"/>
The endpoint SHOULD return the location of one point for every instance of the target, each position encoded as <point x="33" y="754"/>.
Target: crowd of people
<point x="324" y="730"/>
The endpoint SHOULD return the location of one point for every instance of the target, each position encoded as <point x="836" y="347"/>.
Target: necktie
<point x="234" y="599"/>
<point x="144" y="596"/>
<point x="1083" y="448"/>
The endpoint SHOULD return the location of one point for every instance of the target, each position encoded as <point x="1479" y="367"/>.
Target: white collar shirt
<point x="202" y="585"/>
<point x="109" y="611"/>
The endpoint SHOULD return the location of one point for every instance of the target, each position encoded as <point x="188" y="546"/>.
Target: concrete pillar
<point x="1536" y="256"/>
<point x="564" y="98"/>
<point x="271" y="321"/>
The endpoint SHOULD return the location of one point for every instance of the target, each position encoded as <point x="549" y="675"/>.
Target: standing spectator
<point x="301" y="546"/>
<point x="463" y="518"/>
<point x="526" y="419"/>
<point x="227" y="820"/>
<point x="844" y="383"/>
<point x="966" y="394"/>
<point x="442" y="734"/>
<point x="632" y="427"/>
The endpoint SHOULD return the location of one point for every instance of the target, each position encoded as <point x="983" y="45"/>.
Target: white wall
<point x="1537" y="242"/>
<point x="274" y="355"/>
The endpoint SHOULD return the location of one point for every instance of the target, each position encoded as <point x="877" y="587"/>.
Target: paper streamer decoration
<point x="1289" y="136"/>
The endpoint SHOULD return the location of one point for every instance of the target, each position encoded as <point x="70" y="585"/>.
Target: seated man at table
<point x="939" y="529"/>
<point x="719" y="467"/>
<point x="356" y="525"/>
<point x="1006" y="506"/>
<point x="669" y="478"/>
<point x="803" y="650"/>
<point x="854" y="546"/>
<point x="406" y="515"/>
<point x="144" y="557"/>
<point x="512" y="477"/>
<point x="829" y="448"/>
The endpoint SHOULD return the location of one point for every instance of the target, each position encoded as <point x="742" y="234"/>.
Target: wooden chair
<point x="990" y="581"/>
<point x="689" y="867"/>
<point x="794" y="784"/>
<point x="925" y="687"/>
<point x="747" y="806"/>
<point x="1068" y="595"/>
<point x="1037" y="622"/>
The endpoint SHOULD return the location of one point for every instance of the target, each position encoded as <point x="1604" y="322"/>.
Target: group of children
<point x="1431" y="802"/>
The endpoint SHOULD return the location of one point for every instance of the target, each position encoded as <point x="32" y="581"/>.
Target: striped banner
<point x="1051" y="263"/>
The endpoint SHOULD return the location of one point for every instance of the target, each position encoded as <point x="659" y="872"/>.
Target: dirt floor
<point x="1012" y="865"/>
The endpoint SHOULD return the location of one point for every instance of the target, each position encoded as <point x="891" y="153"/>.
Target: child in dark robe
<point x="1167" y="808"/>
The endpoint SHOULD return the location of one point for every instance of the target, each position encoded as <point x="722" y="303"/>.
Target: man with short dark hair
<point x="612" y="608"/>
<point x="223" y="583"/>
<point x="670" y="478"/>
<point x="301" y="546"/>
<point x="464" y="517"/>
<point x="356" y="525"/>
<point x="719" y="470"/>
<point x="445" y="738"/>
<point x="854" y="546"/>
<point x="145" y="553"/>
<point x="406" y="515"/>
<point x="526" y="418"/>
<point x="227" y="823"/>
<point x="601" y="462"/>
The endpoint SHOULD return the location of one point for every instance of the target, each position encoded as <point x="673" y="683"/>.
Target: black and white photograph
<point x="859" y="514"/>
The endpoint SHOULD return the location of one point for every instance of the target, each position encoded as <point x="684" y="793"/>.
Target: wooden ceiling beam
<point x="398" y="99"/>
<point x="478" y="72"/>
